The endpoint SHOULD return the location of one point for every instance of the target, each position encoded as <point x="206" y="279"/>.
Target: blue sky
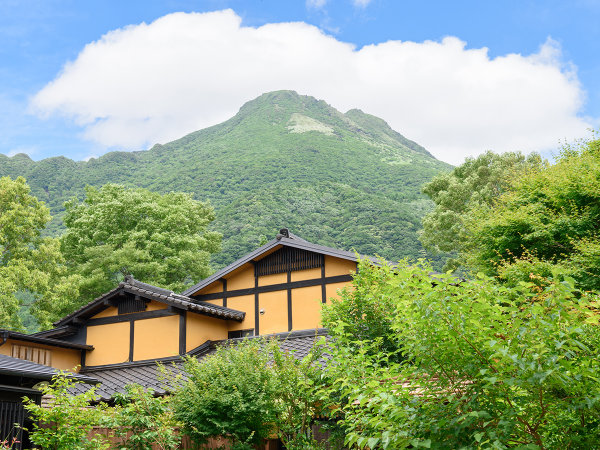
<point x="540" y="75"/>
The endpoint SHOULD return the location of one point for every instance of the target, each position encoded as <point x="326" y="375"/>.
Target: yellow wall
<point x="242" y="303"/>
<point x="108" y="312"/>
<point x="338" y="266"/>
<point x="267" y="280"/>
<point x="155" y="306"/>
<point x="213" y="288"/>
<point x="111" y="344"/>
<point x="306" y="308"/>
<point x="61" y="358"/>
<point x="308" y="274"/>
<point x="306" y="302"/>
<point x="114" y="311"/>
<point x="275" y="318"/>
<point x="199" y="329"/>
<point x="242" y="279"/>
<point x="217" y="302"/>
<point x="156" y="338"/>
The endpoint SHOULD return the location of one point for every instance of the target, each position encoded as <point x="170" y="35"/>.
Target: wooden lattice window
<point x="34" y="354"/>
<point x="288" y="259"/>
<point x="131" y="305"/>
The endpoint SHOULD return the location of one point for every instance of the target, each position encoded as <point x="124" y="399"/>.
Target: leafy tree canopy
<point x="250" y="391"/>
<point x="160" y="239"/>
<point x="549" y="217"/>
<point x="479" y="181"/>
<point x="485" y="365"/>
<point x="29" y="264"/>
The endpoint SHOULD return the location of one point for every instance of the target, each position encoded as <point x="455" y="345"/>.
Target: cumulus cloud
<point x="316" y="4"/>
<point x="156" y="82"/>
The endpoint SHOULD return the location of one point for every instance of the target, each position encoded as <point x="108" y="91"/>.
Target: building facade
<point x="118" y="338"/>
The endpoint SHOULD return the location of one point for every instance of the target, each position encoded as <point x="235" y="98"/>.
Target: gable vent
<point x="288" y="259"/>
<point x="131" y="305"/>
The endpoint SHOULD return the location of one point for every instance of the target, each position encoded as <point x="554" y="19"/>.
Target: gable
<point x="288" y="259"/>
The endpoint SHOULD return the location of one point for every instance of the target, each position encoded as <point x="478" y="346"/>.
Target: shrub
<point x="142" y="420"/>
<point x="69" y="420"/>
<point x="248" y="392"/>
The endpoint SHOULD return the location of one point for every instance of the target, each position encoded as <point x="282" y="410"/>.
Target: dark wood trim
<point x="224" y="281"/>
<point x="275" y="287"/>
<point x="323" y="283"/>
<point x="182" y="332"/>
<point x="130" y="317"/>
<point x="289" y="300"/>
<point x="82" y="362"/>
<point x="131" y="338"/>
<point x="256" y="303"/>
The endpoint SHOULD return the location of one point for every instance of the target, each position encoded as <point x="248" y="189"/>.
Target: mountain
<point x="343" y="180"/>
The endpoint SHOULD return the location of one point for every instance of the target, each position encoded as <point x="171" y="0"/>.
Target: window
<point x="34" y="354"/>
<point x="240" y="334"/>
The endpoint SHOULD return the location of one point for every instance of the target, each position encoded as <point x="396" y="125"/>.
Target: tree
<point x="549" y="218"/>
<point x="69" y="421"/>
<point x="479" y="181"/>
<point x="363" y="312"/>
<point x="248" y="392"/>
<point x="142" y="420"/>
<point x="30" y="265"/>
<point x="485" y="366"/>
<point x="229" y="394"/>
<point x="160" y="239"/>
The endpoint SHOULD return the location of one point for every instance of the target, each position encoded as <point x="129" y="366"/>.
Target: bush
<point x="249" y="392"/>
<point x="69" y="420"/>
<point x="142" y="420"/>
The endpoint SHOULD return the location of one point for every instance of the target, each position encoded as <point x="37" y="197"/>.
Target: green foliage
<point x="160" y="239"/>
<point x="479" y="181"/>
<point x="142" y="420"/>
<point x="547" y="219"/>
<point x="355" y="187"/>
<point x="30" y="265"/>
<point x="296" y="381"/>
<point x="362" y="313"/>
<point x="248" y="392"/>
<point x="68" y="422"/>
<point x="486" y="366"/>
<point x="228" y="394"/>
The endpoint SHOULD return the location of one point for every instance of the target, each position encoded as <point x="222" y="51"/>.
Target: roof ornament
<point x="284" y="232"/>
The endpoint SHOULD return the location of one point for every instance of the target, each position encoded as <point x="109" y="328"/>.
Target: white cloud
<point x="156" y="82"/>
<point x="361" y="3"/>
<point x="315" y="4"/>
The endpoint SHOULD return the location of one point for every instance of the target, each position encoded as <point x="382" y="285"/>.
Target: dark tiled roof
<point x="154" y="293"/>
<point x="115" y="377"/>
<point x="65" y="330"/>
<point x="21" y="368"/>
<point x="292" y="241"/>
<point x="37" y="339"/>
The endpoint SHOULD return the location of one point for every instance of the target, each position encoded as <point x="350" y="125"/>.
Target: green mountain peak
<point x="344" y="180"/>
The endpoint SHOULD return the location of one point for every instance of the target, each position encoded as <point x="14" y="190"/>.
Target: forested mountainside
<point x="343" y="180"/>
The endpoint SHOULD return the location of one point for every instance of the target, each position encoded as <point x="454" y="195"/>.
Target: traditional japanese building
<point x="118" y="338"/>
